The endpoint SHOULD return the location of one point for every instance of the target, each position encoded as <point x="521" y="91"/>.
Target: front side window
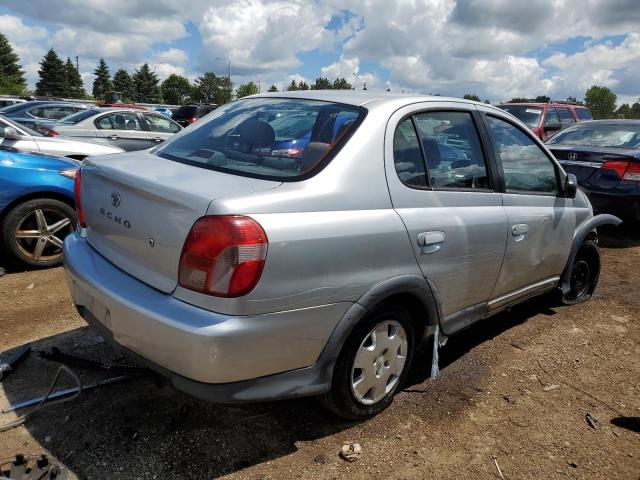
<point x="407" y="156"/>
<point x="565" y="116"/>
<point x="453" y="150"/>
<point x="159" y="123"/>
<point x="276" y="138"/>
<point x="552" y="117"/>
<point x="125" y="121"/>
<point x="526" y="166"/>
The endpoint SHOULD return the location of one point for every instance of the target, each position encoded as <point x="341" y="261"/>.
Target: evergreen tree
<point x="322" y="83"/>
<point x="123" y="83"/>
<point x="303" y="86"/>
<point x="210" y="88"/>
<point x="75" y="87"/>
<point x="102" y="84"/>
<point x="273" y="88"/>
<point x="145" y="85"/>
<point x="293" y="86"/>
<point x="342" y="84"/>
<point x="12" y="80"/>
<point x="176" y="89"/>
<point x="53" y="76"/>
<point x="471" y="96"/>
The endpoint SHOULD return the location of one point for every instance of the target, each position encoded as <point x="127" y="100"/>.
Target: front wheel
<point x="33" y="232"/>
<point x="372" y="365"/>
<point x="585" y="273"/>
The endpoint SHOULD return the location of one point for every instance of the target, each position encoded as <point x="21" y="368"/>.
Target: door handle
<point x="431" y="242"/>
<point x="520" y="231"/>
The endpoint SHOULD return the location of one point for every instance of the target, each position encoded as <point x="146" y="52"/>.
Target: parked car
<point x="123" y="128"/>
<point x="212" y="254"/>
<point x="545" y="119"/>
<point x="14" y="135"/>
<point x="163" y="111"/>
<point x="188" y="114"/>
<point x="36" y="207"/>
<point x="605" y="157"/>
<point x="6" y="101"/>
<point x="31" y="114"/>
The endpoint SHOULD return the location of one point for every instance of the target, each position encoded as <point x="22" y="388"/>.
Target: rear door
<point x="541" y="220"/>
<point x="160" y="127"/>
<point x="441" y="186"/>
<point x="125" y="130"/>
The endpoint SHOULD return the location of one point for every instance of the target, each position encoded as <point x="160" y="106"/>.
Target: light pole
<point x="229" y="74"/>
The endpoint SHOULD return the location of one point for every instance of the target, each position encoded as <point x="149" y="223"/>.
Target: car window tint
<point x="584" y="114"/>
<point x="125" y="121"/>
<point x="453" y="151"/>
<point x="104" y="123"/>
<point x="565" y="116"/>
<point x="552" y="116"/>
<point x="407" y="156"/>
<point x="526" y="167"/>
<point x="158" y="123"/>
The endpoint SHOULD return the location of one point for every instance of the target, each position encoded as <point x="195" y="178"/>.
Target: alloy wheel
<point x="39" y="234"/>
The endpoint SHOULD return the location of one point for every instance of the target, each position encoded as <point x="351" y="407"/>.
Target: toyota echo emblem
<point x="115" y="199"/>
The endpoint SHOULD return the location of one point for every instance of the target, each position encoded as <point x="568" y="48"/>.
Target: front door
<point x="124" y="130"/>
<point x="441" y="186"/>
<point x="541" y="220"/>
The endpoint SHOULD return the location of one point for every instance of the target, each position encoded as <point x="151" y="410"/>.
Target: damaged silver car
<point x="306" y="243"/>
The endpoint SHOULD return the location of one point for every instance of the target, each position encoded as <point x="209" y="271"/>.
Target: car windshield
<point x="599" y="135"/>
<point x="530" y="116"/>
<point x="78" y="117"/>
<point x="275" y="138"/>
<point x="20" y="128"/>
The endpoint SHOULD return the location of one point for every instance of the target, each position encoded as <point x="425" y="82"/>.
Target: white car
<point x="17" y="136"/>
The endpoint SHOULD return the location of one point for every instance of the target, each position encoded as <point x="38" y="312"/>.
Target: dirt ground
<point x="513" y="391"/>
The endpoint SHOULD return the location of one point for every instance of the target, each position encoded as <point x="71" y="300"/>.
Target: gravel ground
<point x="514" y="391"/>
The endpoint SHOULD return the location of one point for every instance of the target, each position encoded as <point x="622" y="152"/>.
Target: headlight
<point x="69" y="173"/>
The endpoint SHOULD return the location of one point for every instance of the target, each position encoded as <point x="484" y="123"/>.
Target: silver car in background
<point x="14" y="135"/>
<point x="129" y="129"/>
<point x="253" y="258"/>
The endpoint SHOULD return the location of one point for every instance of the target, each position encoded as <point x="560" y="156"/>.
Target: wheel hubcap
<point x="40" y="233"/>
<point x="579" y="278"/>
<point x="379" y="362"/>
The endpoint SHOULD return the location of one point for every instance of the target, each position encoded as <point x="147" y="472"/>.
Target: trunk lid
<point x="140" y="208"/>
<point x="586" y="163"/>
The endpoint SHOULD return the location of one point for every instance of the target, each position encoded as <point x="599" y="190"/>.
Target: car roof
<point x="542" y="104"/>
<point x="611" y="121"/>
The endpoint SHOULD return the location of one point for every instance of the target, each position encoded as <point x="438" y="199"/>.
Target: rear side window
<point x="583" y="114"/>
<point x="159" y="123"/>
<point x="452" y="147"/>
<point x="407" y="156"/>
<point x="125" y="121"/>
<point x="526" y="167"/>
<point x="274" y="138"/>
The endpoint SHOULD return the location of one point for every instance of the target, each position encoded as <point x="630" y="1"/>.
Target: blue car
<point x="163" y="111"/>
<point x="36" y="207"/>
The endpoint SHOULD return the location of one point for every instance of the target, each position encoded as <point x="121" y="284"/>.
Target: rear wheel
<point x="373" y="365"/>
<point x="33" y="232"/>
<point x="585" y="272"/>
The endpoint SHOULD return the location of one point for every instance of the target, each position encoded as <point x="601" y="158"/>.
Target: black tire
<point x="340" y="399"/>
<point x="585" y="273"/>
<point x="24" y="216"/>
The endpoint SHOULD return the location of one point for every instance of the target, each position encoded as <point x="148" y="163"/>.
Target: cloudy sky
<point x="497" y="49"/>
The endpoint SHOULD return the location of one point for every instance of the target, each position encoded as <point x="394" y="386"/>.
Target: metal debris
<point x="14" y="360"/>
<point x="351" y="452"/>
<point x="591" y="420"/>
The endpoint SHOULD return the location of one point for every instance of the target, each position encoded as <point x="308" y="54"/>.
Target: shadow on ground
<point x="138" y="429"/>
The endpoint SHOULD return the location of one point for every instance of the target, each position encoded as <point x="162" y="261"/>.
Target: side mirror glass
<point x="11" y="133"/>
<point x="570" y="186"/>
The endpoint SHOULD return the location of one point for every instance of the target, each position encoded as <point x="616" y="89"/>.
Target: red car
<point x="545" y="119"/>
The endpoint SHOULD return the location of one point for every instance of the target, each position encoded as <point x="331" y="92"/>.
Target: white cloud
<point x="174" y="56"/>
<point x="349" y="68"/>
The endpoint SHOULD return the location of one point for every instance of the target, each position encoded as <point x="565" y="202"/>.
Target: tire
<point x="387" y="372"/>
<point x="44" y="222"/>
<point x="585" y="273"/>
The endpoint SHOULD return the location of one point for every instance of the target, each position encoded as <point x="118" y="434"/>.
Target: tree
<point x="574" y="100"/>
<point x="210" y="88"/>
<point x="123" y="83"/>
<point x="12" y="80"/>
<point x="145" y="85"/>
<point x="246" y="89"/>
<point x="102" y="84"/>
<point x="321" y="83"/>
<point x="471" y="96"/>
<point x="624" y="111"/>
<point x="519" y="100"/>
<point x="53" y="76"/>
<point x="273" y="88"/>
<point x="342" y="84"/>
<point x="176" y="89"/>
<point x="303" y="86"/>
<point x="542" y="99"/>
<point x="601" y="101"/>
<point x="75" y="86"/>
<point x="292" y="87"/>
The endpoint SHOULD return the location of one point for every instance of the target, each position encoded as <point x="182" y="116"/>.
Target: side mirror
<point x="553" y="127"/>
<point x="11" y="133"/>
<point x="570" y="186"/>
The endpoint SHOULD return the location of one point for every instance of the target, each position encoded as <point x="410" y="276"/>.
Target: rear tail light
<point x="51" y="133"/>
<point x="223" y="256"/>
<point x="192" y="120"/>
<point x="624" y="169"/>
<point x="78" y="200"/>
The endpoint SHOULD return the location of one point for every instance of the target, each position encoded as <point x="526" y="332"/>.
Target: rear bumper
<point x="209" y="355"/>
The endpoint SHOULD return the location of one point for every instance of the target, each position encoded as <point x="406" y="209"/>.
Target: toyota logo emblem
<point x="115" y="199"/>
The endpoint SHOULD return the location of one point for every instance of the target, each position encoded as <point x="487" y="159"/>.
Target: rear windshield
<point x="599" y="135"/>
<point x="185" y="111"/>
<point x="78" y="117"/>
<point x="274" y="138"/>
<point x="530" y="116"/>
